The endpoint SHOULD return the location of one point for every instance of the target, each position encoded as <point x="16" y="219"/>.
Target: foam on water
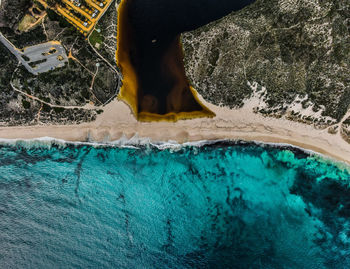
<point x="222" y="205"/>
<point x="136" y="142"/>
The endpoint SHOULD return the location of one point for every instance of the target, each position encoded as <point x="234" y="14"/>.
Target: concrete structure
<point x="39" y="58"/>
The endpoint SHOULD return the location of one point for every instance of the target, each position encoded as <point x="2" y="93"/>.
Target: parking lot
<point x="83" y="14"/>
<point x="39" y="58"/>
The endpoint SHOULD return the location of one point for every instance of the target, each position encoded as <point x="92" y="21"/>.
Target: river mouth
<point x="155" y="85"/>
<point x="150" y="55"/>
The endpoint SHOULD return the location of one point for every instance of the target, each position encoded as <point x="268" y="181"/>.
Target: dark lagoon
<point x="150" y="53"/>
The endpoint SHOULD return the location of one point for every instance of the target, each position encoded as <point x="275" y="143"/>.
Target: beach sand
<point x="118" y="122"/>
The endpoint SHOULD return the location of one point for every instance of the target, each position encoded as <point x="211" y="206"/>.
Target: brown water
<point x="151" y="58"/>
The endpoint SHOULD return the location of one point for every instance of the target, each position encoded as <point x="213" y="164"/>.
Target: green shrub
<point x="58" y="109"/>
<point x="26" y="104"/>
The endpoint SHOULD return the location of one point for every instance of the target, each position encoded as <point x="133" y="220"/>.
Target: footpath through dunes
<point x="150" y="55"/>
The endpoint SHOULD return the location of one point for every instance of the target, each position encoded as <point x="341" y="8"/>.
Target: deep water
<point x="150" y="36"/>
<point x="218" y="206"/>
<point x="159" y="19"/>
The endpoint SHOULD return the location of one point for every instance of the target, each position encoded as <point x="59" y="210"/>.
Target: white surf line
<point x="137" y="142"/>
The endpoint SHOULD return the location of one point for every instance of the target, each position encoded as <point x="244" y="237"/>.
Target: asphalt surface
<point x="37" y="53"/>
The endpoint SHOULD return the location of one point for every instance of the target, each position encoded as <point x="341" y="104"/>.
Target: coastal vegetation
<point x="69" y="86"/>
<point x="96" y="38"/>
<point x="294" y="56"/>
<point x="290" y="61"/>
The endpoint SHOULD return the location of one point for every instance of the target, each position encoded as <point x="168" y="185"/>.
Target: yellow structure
<point x="83" y="18"/>
<point x="129" y="90"/>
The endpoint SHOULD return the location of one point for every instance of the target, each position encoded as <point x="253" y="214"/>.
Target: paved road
<point x="30" y="56"/>
<point x="13" y="50"/>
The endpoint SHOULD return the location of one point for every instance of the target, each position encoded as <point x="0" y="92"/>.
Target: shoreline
<point x="141" y="143"/>
<point x="117" y="122"/>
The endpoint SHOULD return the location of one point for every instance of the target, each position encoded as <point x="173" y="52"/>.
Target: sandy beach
<point x="117" y="121"/>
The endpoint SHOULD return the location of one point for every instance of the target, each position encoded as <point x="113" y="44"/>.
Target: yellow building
<point x="82" y="14"/>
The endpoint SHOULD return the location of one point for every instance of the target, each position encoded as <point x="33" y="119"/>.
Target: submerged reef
<point x="225" y="205"/>
<point x="150" y="55"/>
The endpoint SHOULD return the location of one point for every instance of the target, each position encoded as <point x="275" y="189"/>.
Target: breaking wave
<point x="140" y="204"/>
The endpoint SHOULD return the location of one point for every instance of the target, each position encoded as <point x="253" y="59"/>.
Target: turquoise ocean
<point x="220" y="205"/>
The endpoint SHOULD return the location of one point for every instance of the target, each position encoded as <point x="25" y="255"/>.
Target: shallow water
<point x="223" y="206"/>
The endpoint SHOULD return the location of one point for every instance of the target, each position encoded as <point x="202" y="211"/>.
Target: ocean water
<point x="216" y="206"/>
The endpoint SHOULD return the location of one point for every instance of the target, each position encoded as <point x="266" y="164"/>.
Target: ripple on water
<point x="222" y="205"/>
